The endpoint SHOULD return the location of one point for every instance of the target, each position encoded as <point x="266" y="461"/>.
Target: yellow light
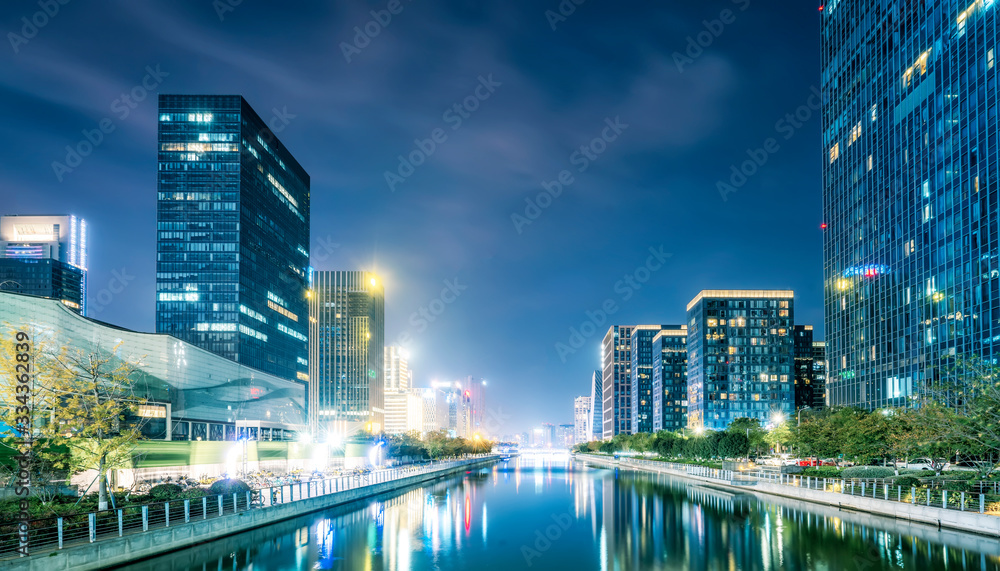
<point x="843" y="284"/>
<point x="373" y="281"/>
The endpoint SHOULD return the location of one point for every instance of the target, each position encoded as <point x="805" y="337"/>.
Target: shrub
<point x="232" y="486"/>
<point x="916" y="473"/>
<point x="164" y="492"/>
<point x="823" y="472"/>
<point x="867" y="472"/>
<point x="957" y="485"/>
<point x="907" y="482"/>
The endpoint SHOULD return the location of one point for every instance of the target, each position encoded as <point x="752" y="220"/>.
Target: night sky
<point x="681" y="123"/>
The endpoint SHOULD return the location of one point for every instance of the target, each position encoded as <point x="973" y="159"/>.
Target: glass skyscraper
<point x="641" y="375"/>
<point x="596" y="405"/>
<point x="45" y="256"/>
<point x="232" y="235"/>
<point x="346" y="354"/>
<point x="670" y="379"/>
<point x="616" y="360"/>
<point x="740" y="348"/>
<point x="912" y="275"/>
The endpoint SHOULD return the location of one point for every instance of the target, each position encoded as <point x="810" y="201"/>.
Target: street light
<point x="798" y="415"/>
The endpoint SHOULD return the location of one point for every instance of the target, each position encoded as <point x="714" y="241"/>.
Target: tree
<point x="641" y="442"/>
<point x="83" y="400"/>
<point x="753" y="431"/>
<point x="435" y="443"/>
<point x="778" y="435"/>
<point x="733" y="445"/>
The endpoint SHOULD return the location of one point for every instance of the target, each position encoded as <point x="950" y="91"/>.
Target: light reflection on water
<point x="547" y="512"/>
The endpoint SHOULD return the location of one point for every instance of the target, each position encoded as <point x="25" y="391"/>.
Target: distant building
<point x="435" y="409"/>
<point x="616" y="361"/>
<point x="670" y="379"/>
<point x="45" y="256"/>
<point x="564" y="436"/>
<point x="582" y="417"/>
<point x="346" y="353"/>
<point x="641" y="375"/>
<point x="740" y="362"/>
<point x="397" y="393"/>
<point x="810" y="369"/>
<point x="232" y="242"/>
<point x="595" y="426"/>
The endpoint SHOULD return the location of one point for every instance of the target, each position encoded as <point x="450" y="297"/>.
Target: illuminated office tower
<point x="810" y="369"/>
<point x="595" y="426"/>
<point x="670" y="379"/>
<point x="582" y="417"/>
<point x="740" y="365"/>
<point x="397" y="393"/>
<point x="641" y="375"/>
<point x="232" y="246"/>
<point x="910" y="193"/>
<point x="346" y="353"/>
<point x="616" y="359"/>
<point x="45" y="256"/>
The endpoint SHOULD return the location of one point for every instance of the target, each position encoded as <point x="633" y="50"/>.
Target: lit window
<point x="989" y="59"/>
<point x="834" y="152"/>
<point x="874" y="113"/>
<point x="869" y="162"/>
<point x="855" y="134"/>
<point x="925" y="189"/>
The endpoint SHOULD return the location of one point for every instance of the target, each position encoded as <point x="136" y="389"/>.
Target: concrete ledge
<point x="965" y="521"/>
<point x="113" y="551"/>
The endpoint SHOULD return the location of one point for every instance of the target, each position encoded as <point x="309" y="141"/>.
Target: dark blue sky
<point x="653" y="186"/>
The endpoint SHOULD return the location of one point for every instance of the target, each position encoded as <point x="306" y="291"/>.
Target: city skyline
<point x="685" y="129"/>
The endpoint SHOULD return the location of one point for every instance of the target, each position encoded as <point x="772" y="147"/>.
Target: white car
<point x="924" y="464"/>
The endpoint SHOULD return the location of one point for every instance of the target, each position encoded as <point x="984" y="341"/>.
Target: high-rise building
<point x="232" y="246"/>
<point x="45" y="256"/>
<point x="740" y="348"/>
<point x="641" y="375"/>
<point x="910" y="194"/>
<point x="396" y="392"/>
<point x="564" y="436"/>
<point x="616" y="380"/>
<point x="670" y="379"/>
<point x="810" y="377"/>
<point x="595" y="426"/>
<point x="346" y="352"/>
<point x="435" y="409"/>
<point x="582" y="417"/>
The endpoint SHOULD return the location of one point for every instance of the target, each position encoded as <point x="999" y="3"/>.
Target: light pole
<point x="798" y="416"/>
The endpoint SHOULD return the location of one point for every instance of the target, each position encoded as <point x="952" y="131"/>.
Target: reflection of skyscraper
<point x="232" y="235"/>
<point x="45" y="256"/>
<point x="346" y="351"/>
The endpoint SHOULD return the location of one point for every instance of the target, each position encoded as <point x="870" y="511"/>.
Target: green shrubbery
<point x="231" y="486"/>
<point x="164" y="492"/>
<point x="907" y="482"/>
<point x="867" y="472"/>
<point x="824" y="472"/>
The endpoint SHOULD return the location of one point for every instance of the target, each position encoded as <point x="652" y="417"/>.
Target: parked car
<point x="925" y="464"/>
<point x="815" y="462"/>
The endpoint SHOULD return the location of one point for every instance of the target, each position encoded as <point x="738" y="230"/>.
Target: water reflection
<point x="547" y="512"/>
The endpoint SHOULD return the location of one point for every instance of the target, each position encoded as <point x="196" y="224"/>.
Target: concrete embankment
<point x="969" y="521"/>
<point x="109" y="552"/>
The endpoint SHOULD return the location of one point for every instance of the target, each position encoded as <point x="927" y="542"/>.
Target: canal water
<point x="551" y="513"/>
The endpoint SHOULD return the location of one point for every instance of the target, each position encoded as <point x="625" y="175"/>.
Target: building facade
<point x="641" y="376"/>
<point x="821" y="398"/>
<point x="740" y="357"/>
<point x="582" y="417"/>
<point x="45" y="256"/>
<point x="670" y="379"/>
<point x="346" y="353"/>
<point x="810" y="369"/>
<point x="616" y="380"/>
<point x="232" y="246"/>
<point x="595" y="428"/>
<point x="191" y="394"/>
<point x="912" y="269"/>
<point x="396" y="393"/>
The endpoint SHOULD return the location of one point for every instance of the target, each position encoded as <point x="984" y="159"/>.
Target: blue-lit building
<point x="232" y="235"/>
<point x="912" y="273"/>
<point x="670" y="379"/>
<point x="641" y="375"/>
<point x="347" y="357"/>
<point x="740" y="357"/>
<point x="45" y="256"/>
<point x="616" y="380"/>
<point x="596" y="427"/>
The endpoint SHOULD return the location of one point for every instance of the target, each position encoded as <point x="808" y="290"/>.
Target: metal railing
<point x="58" y="532"/>
<point x="876" y="489"/>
